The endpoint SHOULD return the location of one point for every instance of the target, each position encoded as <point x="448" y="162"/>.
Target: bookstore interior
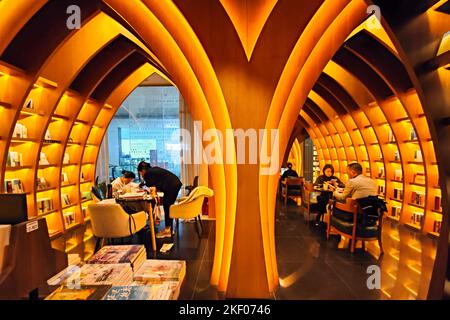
<point x="119" y="180"/>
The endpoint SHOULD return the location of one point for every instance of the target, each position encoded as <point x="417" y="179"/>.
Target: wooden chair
<point x="110" y="221"/>
<point x="291" y="188"/>
<point x="360" y="219"/>
<point x="308" y="199"/>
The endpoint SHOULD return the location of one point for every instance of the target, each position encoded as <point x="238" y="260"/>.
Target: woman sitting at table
<point x="326" y="182"/>
<point x="124" y="183"/>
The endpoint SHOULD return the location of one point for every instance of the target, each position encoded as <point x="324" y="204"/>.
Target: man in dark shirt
<point x="164" y="181"/>
<point x="289" y="172"/>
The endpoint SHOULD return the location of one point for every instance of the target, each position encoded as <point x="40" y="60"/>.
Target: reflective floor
<point x="311" y="267"/>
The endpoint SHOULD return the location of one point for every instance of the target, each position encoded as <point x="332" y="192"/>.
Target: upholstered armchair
<point x="190" y="207"/>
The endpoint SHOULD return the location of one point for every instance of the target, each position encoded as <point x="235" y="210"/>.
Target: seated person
<point x="289" y="173"/>
<point x="124" y="183"/>
<point x="358" y="186"/>
<point x="327" y="178"/>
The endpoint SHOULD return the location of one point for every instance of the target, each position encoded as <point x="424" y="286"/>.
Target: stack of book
<point x="162" y="291"/>
<point x="81" y="293"/>
<point x="93" y="275"/>
<point x="134" y="255"/>
<point x="159" y="271"/>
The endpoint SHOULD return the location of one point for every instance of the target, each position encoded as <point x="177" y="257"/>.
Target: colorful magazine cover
<point x="146" y="292"/>
<point x="155" y="271"/>
<point x="82" y="293"/>
<point x="95" y="274"/>
<point x="117" y="254"/>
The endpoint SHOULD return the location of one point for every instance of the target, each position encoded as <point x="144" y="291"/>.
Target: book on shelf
<point x="395" y="211"/>
<point x="94" y="274"/>
<point x="418" y="156"/>
<point x="437" y="225"/>
<point x="29" y="105"/>
<point x="69" y="218"/>
<point x="381" y="190"/>
<point x="418" y="198"/>
<point x="41" y="183"/>
<point x="398" y="194"/>
<point x="157" y="271"/>
<point x="65" y="199"/>
<point x="79" y="293"/>
<point x="162" y="291"/>
<point x="14" y="159"/>
<point x="380" y="172"/>
<point x="14" y="186"/>
<point x="417" y="217"/>
<point x="437" y="203"/>
<point x="398" y="175"/>
<point x="44" y="205"/>
<point x="20" y="131"/>
<point x="397" y="155"/>
<point x="413" y="134"/>
<point x="64" y="178"/>
<point x="419" y="177"/>
<point x="43" y="159"/>
<point x="134" y="255"/>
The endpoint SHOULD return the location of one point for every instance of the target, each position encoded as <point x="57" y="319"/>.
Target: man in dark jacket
<point x="164" y="181"/>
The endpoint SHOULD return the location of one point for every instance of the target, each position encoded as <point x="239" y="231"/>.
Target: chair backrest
<point x="350" y="205"/>
<point x="294" y="181"/>
<point x="371" y="209"/>
<point x="309" y="186"/>
<point x="109" y="220"/>
<point x="192" y="205"/>
<point x="97" y="193"/>
<point x="200" y="191"/>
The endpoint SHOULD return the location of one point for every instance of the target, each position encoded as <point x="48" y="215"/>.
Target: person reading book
<point x="164" y="181"/>
<point x="124" y="183"/>
<point x="326" y="181"/>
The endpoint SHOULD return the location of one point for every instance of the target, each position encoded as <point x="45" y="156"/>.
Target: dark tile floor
<point x="312" y="268"/>
<point x="199" y="255"/>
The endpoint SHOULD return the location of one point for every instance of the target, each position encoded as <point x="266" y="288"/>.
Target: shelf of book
<point x="47" y="213"/>
<point x="413" y="226"/>
<point x="69" y="206"/>
<point x="45" y="189"/>
<point x="397" y="219"/>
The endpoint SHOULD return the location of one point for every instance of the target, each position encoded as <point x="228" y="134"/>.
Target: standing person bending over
<point x="166" y="182"/>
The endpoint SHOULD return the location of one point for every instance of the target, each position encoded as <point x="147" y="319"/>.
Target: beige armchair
<point x="190" y="207"/>
<point x="110" y="221"/>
